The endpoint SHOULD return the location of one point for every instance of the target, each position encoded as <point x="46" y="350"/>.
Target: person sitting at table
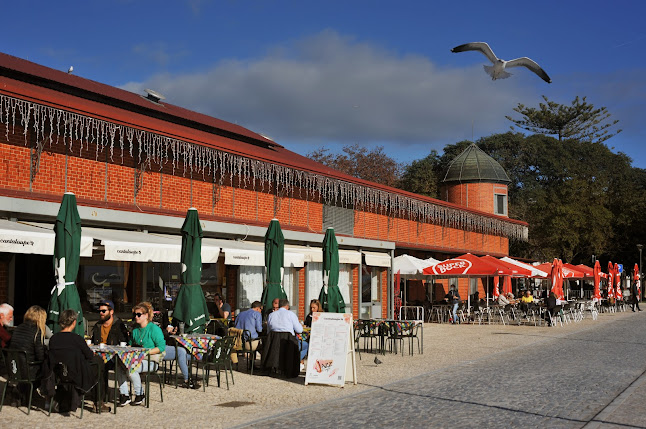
<point x="251" y="320"/>
<point x="503" y="300"/>
<point x="69" y="349"/>
<point x="109" y="329"/>
<point x="283" y="320"/>
<point x="174" y="350"/>
<point x="29" y="336"/>
<point x="6" y="320"/>
<point x="221" y="309"/>
<point x="315" y="306"/>
<point x="149" y="336"/>
<point x="526" y="301"/>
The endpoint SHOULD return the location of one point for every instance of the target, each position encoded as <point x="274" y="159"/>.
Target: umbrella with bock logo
<point x="67" y="255"/>
<point x="190" y="306"/>
<point x="330" y="295"/>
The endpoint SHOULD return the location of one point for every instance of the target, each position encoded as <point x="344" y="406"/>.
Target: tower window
<point x="500" y="204"/>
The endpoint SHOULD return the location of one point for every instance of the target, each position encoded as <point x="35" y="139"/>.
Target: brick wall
<point x="477" y="196"/>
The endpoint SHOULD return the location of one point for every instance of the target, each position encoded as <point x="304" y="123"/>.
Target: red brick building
<point x="137" y="163"/>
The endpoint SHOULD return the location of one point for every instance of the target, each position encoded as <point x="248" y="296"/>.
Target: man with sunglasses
<point x="109" y="329"/>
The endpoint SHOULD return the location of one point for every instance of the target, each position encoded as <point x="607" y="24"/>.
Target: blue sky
<point x="332" y="73"/>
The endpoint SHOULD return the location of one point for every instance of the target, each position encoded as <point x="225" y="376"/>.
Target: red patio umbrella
<point x="506" y="285"/>
<point x="510" y="269"/>
<point x="619" y="293"/>
<point x="496" y="287"/>
<point x="611" y="280"/>
<point x="557" y="279"/>
<point x="597" y="280"/>
<point x="467" y="265"/>
<point x="637" y="279"/>
<point x="572" y="272"/>
<point x="587" y="271"/>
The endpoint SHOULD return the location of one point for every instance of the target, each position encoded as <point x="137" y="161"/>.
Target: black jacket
<point x="118" y="333"/>
<point x="27" y="337"/>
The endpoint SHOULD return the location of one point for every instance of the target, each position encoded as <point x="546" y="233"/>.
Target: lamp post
<point x="640" y="247"/>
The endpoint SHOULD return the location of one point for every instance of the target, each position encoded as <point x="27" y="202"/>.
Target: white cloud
<point x="330" y="88"/>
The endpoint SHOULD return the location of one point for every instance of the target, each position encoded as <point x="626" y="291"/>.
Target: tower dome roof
<point x="473" y="165"/>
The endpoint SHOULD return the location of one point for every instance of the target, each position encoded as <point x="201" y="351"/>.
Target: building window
<point x="500" y="204"/>
<point x="339" y="218"/>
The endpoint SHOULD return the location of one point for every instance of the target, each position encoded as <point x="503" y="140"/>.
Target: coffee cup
<point x="102" y="346"/>
<point x="122" y="343"/>
<point x="89" y="342"/>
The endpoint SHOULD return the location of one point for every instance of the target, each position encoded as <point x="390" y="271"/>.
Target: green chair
<point x="219" y="358"/>
<point x="247" y="352"/>
<point x="62" y="379"/>
<point x="18" y="372"/>
<point x="171" y="366"/>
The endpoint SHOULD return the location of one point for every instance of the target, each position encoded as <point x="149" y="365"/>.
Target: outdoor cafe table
<point x="383" y="326"/>
<point x="131" y="359"/>
<point x="198" y="345"/>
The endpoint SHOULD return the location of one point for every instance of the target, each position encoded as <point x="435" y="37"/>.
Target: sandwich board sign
<point x="331" y="358"/>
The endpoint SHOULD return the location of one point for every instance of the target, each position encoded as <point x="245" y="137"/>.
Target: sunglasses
<point x="138" y="314"/>
<point x="103" y="311"/>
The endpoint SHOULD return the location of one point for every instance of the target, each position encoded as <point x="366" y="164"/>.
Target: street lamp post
<point x="640" y="247"/>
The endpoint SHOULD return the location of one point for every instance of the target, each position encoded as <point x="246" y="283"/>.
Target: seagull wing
<point x="477" y="46"/>
<point x="530" y="64"/>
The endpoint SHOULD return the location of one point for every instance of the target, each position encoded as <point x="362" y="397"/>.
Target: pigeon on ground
<point x="497" y="71"/>
<point x="377" y="361"/>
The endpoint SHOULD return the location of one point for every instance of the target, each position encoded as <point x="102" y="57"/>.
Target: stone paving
<point x="589" y="378"/>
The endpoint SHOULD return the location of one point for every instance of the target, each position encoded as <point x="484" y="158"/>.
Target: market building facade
<point x="136" y="164"/>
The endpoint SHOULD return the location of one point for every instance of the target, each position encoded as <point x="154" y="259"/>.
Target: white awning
<point x="252" y="253"/>
<point x="349" y="257"/>
<point x="376" y="259"/>
<point x="136" y="246"/>
<point x="17" y="237"/>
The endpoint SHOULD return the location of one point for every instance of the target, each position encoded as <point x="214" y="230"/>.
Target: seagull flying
<point x="497" y="71"/>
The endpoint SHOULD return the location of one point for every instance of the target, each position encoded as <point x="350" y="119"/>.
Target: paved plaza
<point x="589" y="374"/>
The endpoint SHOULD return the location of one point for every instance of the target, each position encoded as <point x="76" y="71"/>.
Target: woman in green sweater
<point x="149" y="336"/>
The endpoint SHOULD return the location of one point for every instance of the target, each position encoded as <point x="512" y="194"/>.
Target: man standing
<point x="109" y="329"/>
<point x="251" y="321"/>
<point x="634" y="295"/>
<point x="6" y="320"/>
<point x="283" y="320"/>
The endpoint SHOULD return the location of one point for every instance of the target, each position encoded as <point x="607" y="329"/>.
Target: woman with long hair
<point x="315" y="306"/>
<point x="147" y="335"/>
<point x="29" y="336"/>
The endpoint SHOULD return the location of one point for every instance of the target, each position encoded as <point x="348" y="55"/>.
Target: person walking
<point x="634" y="296"/>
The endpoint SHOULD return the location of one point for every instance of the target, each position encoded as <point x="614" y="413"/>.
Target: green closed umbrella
<point x="332" y="300"/>
<point x="274" y="257"/>
<point x="190" y="306"/>
<point x="67" y="255"/>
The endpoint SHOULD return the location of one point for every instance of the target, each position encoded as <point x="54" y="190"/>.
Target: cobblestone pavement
<point x="592" y="378"/>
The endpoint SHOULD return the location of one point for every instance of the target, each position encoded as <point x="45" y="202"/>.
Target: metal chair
<point x="147" y="375"/>
<point x="219" y="357"/>
<point x="18" y="373"/>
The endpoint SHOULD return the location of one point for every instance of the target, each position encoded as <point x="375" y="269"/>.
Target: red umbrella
<point x="506" y="285"/>
<point x="587" y="271"/>
<point x="611" y="280"/>
<point x="572" y="272"/>
<point x="510" y="269"/>
<point x="619" y="294"/>
<point x="557" y="279"/>
<point x="465" y="265"/>
<point x="398" y="301"/>
<point x="637" y="280"/>
<point x="597" y="280"/>
<point x="496" y="287"/>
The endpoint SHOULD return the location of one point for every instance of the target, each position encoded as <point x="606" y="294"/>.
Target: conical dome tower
<point x="477" y="181"/>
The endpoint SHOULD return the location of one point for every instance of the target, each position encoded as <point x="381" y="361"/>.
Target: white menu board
<point x="330" y="358"/>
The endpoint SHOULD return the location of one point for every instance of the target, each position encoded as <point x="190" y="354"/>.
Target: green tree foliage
<point x="580" y="120"/>
<point x="579" y="198"/>
<point x="357" y="161"/>
<point x="421" y="176"/>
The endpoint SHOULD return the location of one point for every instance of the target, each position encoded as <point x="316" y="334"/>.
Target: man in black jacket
<point x="109" y="329"/>
<point x="634" y="296"/>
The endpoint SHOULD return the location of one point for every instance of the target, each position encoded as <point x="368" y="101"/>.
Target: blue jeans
<point x="304" y="348"/>
<point x="135" y="378"/>
<point x="182" y="358"/>
<point x="455" y="313"/>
